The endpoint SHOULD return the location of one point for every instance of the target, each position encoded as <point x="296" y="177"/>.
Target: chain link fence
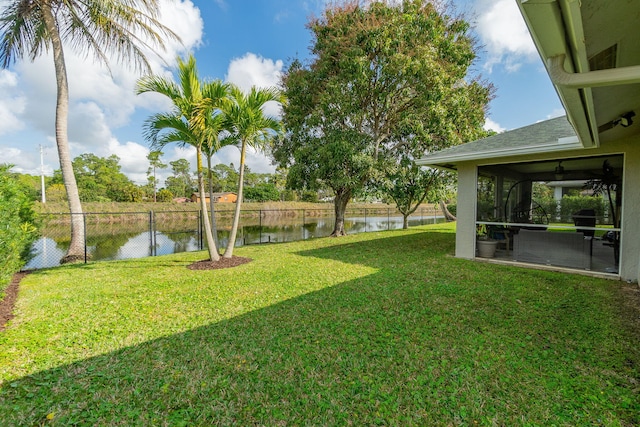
<point x="122" y="235"/>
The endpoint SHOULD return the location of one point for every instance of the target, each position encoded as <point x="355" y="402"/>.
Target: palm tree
<point x="249" y="126"/>
<point x="219" y="137"/>
<point x="124" y="28"/>
<point x="190" y="123"/>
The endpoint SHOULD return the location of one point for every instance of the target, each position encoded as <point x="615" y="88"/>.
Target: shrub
<point x="262" y="193"/>
<point x="164" y="195"/>
<point x="18" y="229"/>
<point x="550" y="206"/>
<point x="309" y="196"/>
<point x="572" y="204"/>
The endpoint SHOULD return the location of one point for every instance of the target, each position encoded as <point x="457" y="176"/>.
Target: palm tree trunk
<point x="236" y="216"/>
<point x="214" y="226"/>
<point x="76" y="248"/>
<point x="211" y="244"/>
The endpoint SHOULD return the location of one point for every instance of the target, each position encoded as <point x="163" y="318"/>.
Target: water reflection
<point x="108" y="241"/>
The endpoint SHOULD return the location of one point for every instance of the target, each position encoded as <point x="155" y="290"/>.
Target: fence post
<point x="200" y="220"/>
<point x="365" y="220"/>
<point x="260" y="225"/>
<point x="151" y="246"/>
<point x="84" y="225"/>
<point x="388" y="219"/>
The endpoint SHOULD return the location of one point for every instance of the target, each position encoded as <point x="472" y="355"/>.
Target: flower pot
<point x="486" y="248"/>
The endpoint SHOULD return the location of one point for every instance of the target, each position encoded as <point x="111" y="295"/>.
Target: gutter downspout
<point x="611" y="77"/>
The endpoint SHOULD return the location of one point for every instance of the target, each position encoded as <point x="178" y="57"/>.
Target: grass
<point x="372" y="329"/>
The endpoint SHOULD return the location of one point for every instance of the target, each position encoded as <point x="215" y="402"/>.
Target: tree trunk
<point x="236" y="217"/>
<point x="214" y="226"/>
<point x="340" y="205"/>
<point x="155" y="186"/>
<point x="447" y="215"/>
<point x="405" y="222"/>
<point x="76" y="247"/>
<point x="211" y="244"/>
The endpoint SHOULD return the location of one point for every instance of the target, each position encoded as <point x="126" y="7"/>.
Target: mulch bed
<point x="222" y="263"/>
<point x="9" y="300"/>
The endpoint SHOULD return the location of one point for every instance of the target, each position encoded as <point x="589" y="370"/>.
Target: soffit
<point x="581" y="30"/>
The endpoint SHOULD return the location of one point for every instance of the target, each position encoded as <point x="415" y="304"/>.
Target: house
<point x="591" y="53"/>
<point x="217" y="197"/>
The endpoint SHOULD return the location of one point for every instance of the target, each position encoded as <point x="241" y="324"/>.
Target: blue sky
<point x="248" y="42"/>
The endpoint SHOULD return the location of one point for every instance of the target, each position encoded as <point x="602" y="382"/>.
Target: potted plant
<point x="485" y="245"/>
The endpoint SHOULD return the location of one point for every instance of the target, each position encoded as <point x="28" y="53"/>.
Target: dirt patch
<point x="9" y="300"/>
<point x="222" y="263"/>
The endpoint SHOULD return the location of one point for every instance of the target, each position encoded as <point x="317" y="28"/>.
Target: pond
<point x="138" y="236"/>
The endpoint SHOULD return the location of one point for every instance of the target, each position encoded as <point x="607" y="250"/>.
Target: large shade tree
<point x="386" y="79"/>
<point x="249" y="126"/>
<point x="28" y="28"/>
<point x="189" y="123"/>
<point x="100" y="179"/>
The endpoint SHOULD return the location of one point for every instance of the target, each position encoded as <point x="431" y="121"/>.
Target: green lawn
<point x="371" y="329"/>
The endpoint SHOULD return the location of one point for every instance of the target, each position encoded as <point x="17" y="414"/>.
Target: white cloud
<point x="133" y="159"/>
<point x="21" y="160"/>
<point x="253" y="70"/>
<point x="12" y="103"/>
<point x="556" y="113"/>
<point x="491" y="125"/>
<point x="504" y="34"/>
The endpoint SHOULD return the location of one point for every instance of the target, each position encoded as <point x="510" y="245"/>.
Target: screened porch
<point x="562" y="213"/>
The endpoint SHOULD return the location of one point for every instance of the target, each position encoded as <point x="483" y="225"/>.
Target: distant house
<point x="217" y="197"/>
<point x="181" y="200"/>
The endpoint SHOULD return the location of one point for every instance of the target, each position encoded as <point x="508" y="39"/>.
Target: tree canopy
<point x="100" y="179"/>
<point x="385" y="81"/>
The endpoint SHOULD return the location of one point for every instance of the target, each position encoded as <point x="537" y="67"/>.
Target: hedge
<point x="18" y="227"/>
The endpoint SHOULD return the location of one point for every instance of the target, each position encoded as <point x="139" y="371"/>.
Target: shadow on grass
<point x="427" y="340"/>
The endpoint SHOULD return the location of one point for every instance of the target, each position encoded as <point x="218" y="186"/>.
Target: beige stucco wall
<point x="466" y="211"/>
<point x="630" y="244"/>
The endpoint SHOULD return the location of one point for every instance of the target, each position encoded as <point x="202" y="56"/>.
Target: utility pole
<point x="44" y="197"/>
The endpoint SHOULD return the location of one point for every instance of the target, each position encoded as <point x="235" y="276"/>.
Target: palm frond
<point x="159" y="85"/>
<point x="160" y="124"/>
<point x="22" y="32"/>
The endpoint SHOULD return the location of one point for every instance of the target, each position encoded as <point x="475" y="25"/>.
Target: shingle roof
<point x="550" y="135"/>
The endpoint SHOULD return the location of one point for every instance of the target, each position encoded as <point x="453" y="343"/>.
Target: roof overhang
<point x="591" y="53"/>
<point x="554" y="135"/>
<point x="443" y="158"/>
